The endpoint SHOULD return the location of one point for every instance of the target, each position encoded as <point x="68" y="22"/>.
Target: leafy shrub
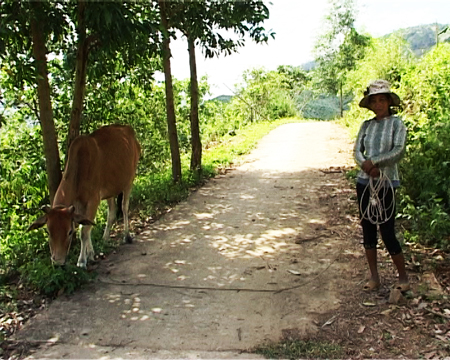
<point x="54" y="280"/>
<point x="23" y="189"/>
<point x="426" y="167"/>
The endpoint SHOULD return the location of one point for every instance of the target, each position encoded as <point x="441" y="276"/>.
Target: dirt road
<point x="248" y="257"/>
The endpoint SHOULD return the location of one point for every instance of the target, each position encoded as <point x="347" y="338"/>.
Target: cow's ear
<point x="79" y="219"/>
<point x="38" y="223"/>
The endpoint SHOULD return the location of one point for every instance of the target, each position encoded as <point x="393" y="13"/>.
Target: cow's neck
<point x="65" y="194"/>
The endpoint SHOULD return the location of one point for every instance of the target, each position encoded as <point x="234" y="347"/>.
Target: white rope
<point x="375" y="212"/>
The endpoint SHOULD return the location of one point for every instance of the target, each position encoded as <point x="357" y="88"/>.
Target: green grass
<point x="296" y="349"/>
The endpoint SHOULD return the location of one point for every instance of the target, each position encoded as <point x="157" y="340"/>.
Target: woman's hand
<point x="375" y="172"/>
<point x="367" y="166"/>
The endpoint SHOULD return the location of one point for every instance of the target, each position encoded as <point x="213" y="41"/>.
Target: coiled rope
<point x="375" y="212"/>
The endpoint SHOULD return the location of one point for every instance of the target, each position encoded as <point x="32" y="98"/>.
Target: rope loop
<point x="375" y="212"/>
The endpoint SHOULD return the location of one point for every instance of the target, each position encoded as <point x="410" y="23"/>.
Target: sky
<point x="297" y="24"/>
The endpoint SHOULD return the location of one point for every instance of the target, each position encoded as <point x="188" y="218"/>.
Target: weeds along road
<point x="248" y="257"/>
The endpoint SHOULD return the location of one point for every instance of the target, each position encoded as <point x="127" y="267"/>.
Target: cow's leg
<point x="87" y="250"/>
<point x="125" y="204"/>
<point x="111" y="217"/>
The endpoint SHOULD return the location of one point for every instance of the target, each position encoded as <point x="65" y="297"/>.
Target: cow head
<point x="60" y="225"/>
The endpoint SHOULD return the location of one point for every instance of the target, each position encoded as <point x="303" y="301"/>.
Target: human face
<point x="379" y="104"/>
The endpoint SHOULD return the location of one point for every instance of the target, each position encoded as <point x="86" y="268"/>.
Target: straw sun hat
<point x="379" y="87"/>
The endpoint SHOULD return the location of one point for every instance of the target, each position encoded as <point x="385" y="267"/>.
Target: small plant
<point x="54" y="280"/>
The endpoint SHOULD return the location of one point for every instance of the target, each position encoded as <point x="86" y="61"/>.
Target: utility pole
<point x="437" y="34"/>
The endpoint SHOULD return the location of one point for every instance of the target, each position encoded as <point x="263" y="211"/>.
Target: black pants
<point x="387" y="229"/>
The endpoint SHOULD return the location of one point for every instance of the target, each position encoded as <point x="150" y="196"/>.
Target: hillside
<point x="421" y="38"/>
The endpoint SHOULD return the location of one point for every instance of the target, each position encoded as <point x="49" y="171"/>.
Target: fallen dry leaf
<point x="369" y="303"/>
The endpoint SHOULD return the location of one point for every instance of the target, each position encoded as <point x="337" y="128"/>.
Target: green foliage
<point x="51" y="281"/>
<point x="388" y="59"/>
<point x="267" y="95"/>
<point x="338" y="48"/>
<point x="200" y="21"/>
<point x="23" y="188"/>
<point x="426" y="168"/>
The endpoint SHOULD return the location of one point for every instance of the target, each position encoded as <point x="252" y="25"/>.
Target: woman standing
<point x="379" y="147"/>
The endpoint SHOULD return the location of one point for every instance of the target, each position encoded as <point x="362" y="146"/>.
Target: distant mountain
<point x="421" y="38"/>
<point x="308" y="66"/>
<point x="223" y="98"/>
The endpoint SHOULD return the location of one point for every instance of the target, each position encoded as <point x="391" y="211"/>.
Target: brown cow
<point x="100" y="166"/>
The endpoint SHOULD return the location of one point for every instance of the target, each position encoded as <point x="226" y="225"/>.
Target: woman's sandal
<point x="371" y="285"/>
<point x="402" y="287"/>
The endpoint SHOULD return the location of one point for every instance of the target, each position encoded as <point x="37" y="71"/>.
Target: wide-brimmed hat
<point x="379" y="87"/>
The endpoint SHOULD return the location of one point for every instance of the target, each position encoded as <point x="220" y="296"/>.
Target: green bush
<point x="426" y="167"/>
<point x="52" y="280"/>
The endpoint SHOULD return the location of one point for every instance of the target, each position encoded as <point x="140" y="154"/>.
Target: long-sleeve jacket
<point x="383" y="142"/>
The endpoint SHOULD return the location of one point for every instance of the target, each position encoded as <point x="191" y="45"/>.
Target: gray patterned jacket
<point x="382" y="141"/>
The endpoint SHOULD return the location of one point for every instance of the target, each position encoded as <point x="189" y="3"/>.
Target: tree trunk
<point x="341" y="100"/>
<point x="80" y="76"/>
<point x="196" y="156"/>
<point x="51" y="152"/>
<point x="170" y="107"/>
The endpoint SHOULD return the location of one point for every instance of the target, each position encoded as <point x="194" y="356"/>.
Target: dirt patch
<point x="367" y="325"/>
<point x="268" y="251"/>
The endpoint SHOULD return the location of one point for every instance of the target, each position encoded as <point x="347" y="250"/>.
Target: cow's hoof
<point x="128" y="239"/>
<point x="82" y="265"/>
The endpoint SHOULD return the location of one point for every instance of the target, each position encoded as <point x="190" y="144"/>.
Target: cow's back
<point x="100" y="165"/>
<point x="118" y="155"/>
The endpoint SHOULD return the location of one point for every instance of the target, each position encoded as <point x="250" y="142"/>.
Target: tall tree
<point x="166" y="9"/>
<point x="196" y="143"/>
<point x="80" y="74"/>
<point x="45" y="105"/>
<point x="338" y="48"/>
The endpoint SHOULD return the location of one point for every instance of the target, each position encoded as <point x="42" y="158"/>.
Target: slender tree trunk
<point x="341" y="100"/>
<point x="52" y="160"/>
<point x="80" y="76"/>
<point x="170" y="107"/>
<point x="196" y="156"/>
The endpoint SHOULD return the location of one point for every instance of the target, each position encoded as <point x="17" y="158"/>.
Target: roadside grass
<point x="300" y="349"/>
